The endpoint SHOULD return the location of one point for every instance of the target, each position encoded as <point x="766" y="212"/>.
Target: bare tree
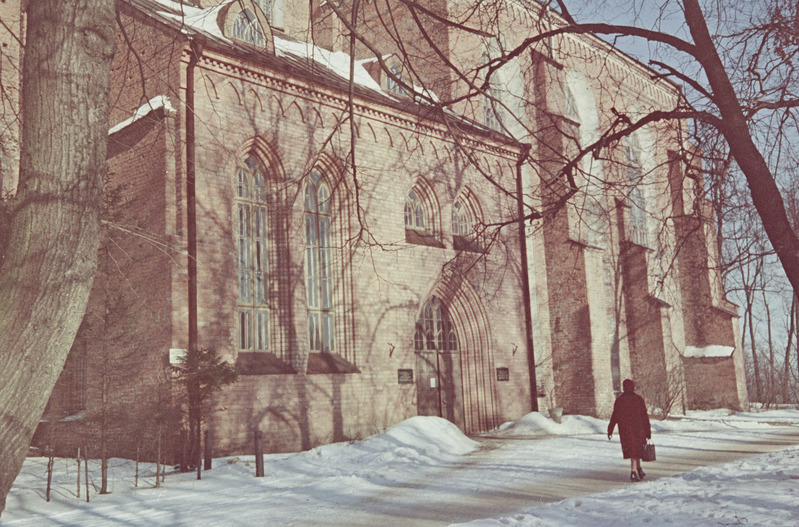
<point x="51" y="248"/>
<point x="738" y="74"/>
<point x="42" y="250"/>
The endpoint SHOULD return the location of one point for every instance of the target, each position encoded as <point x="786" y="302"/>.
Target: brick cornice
<point x="224" y="64"/>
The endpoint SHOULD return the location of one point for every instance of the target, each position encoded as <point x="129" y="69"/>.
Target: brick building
<point x="355" y="250"/>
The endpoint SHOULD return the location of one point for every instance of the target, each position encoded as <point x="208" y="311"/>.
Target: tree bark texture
<point x="50" y="261"/>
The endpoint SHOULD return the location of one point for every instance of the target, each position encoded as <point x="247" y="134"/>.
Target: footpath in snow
<point x="424" y="471"/>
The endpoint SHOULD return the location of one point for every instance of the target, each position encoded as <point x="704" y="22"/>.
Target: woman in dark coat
<point x="630" y="414"/>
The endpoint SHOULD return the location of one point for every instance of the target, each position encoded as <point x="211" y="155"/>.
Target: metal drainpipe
<point x="528" y="313"/>
<point x="191" y="205"/>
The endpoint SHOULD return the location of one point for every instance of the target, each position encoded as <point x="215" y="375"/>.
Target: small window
<point x="490" y="103"/>
<point x="414" y="212"/>
<point x="273" y="9"/>
<point x="247" y="28"/>
<point x="461" y="221"/>
<point x="422" y="223"/>
<point x="464" y="235"/>
<point x="266" y="7"/>
<point x="570" y="105"/>
<point x="490" y="116"/>
<point x="392" y="85"/>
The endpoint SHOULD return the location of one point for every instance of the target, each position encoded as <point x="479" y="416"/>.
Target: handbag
<point x="649" y="451"/>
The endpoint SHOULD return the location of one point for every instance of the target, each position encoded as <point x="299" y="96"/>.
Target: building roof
<point x="315" y="65"/>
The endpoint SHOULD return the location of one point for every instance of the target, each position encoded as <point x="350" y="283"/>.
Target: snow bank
<point x="536" y="423"/>
<point x="417" y="470"/>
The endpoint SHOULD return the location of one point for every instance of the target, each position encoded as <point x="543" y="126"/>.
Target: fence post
<point x="208" y="451"/>
<point x="184" y="451"/>
<point x="259" y="455"/>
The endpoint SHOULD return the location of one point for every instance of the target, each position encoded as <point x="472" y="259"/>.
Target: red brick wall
<point x="645" y="326"/>
<point x="130" y="326"/>
<point x="711" y="383"/>
<point x="124" y="340"/>
<point x="708" y="380"/>
<point x="572" y="359"/>
<point x="146" y="64"/>
<point x="376" y="21"/>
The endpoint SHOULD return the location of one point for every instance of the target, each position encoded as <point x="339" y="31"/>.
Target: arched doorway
<point x="438" y="364"/>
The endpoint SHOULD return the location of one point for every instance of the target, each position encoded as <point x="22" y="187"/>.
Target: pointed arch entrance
<point x="439" y="388"/>
<point x="454" y="358"/>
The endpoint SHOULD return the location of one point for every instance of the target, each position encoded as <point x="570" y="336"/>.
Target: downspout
<point x="528" y="312"/>
<point x="191" y="202"/>
<point x="191" y="235"/>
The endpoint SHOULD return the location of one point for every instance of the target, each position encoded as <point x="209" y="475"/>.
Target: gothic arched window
<point x="635" y="176"/>
<point x="414" y="212"/>
<point x="434" y="329"/>
<point x="253" y="312"/>
<point x="319" y="264"/>
<point x="462" y="224"/>
<point x="422" y="216"/>
<point x="247" y="28"/>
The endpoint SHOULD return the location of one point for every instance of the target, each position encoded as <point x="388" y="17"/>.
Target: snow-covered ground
<point x="403" y="476"/>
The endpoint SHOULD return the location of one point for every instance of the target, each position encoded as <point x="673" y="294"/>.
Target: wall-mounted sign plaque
<point x="405" y="376"/>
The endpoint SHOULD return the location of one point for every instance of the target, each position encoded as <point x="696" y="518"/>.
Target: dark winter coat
<point x="630" y="414"/>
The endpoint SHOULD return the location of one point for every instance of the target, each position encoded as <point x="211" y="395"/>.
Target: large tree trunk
<point x="765" y="193"/>
<point x="51" y="256"/>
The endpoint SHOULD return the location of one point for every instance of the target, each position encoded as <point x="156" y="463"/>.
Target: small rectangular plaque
<point x="503" y="374"/>
<point x="405" y="376"/>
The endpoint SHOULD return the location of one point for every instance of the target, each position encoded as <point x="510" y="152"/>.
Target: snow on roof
<point x="425" y="94"/>
<point x="331" y="66"/>
<point x="203" y="21"/>
<point x="206" y="22"/>
<point x="337" y="61"/>
<point x="708" y="351"/>
<point x="159" y="101"/>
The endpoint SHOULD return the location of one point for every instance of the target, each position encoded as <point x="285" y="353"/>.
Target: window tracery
<point x="319" y="264"/>
<point x="252" y="225"/>
<point x="434" y="329"/>
<point x="635" y="176"/>
<point x="247" y="28"/>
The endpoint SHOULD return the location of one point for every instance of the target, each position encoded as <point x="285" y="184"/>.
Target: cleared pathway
<point x="511" y="475"/>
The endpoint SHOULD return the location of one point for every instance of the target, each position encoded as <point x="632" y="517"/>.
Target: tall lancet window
<point x="319" y="264"/>
<point x="253" y="311"/>
<point x="635" y="176"/>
